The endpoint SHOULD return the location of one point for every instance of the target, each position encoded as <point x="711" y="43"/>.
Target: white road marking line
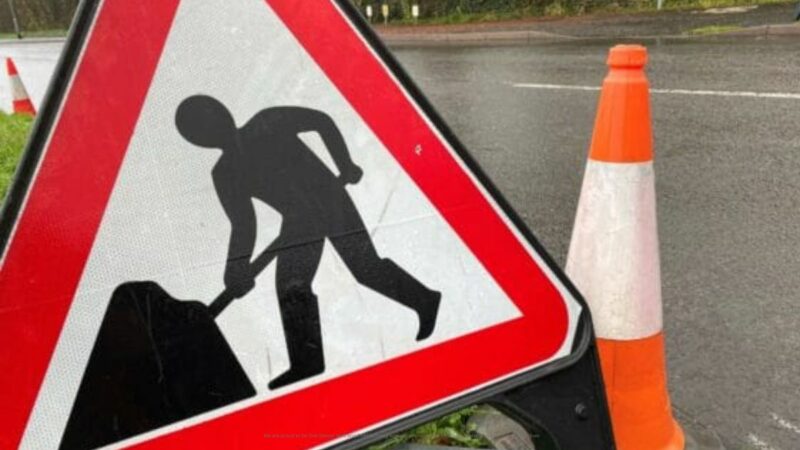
<point x="783" y="423"/>
<point x="568" y="87"/>
<point x="758" y="443"/>
<point x="751" y="94"/>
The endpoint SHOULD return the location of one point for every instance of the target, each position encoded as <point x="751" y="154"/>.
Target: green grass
<point x="13" y="134"/>
<point x="448" y="430"/>
<point x="714" y="29"/>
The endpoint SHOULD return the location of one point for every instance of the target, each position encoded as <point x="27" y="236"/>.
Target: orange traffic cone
<point x="21" y="101"/>
<point x="613" y="258"/>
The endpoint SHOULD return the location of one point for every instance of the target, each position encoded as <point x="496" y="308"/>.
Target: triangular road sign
<point x="397" y="278"/>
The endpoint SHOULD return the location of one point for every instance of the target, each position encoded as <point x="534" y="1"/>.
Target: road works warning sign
<point x="238" y="223"/>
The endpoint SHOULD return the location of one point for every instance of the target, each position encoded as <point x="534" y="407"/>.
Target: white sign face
<point x="385" y="254"/>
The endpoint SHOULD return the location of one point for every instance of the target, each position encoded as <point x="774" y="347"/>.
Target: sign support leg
<point x="569" y="404"/>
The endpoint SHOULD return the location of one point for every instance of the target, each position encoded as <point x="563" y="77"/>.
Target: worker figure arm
<point x="239" y="279"/>
<point x="321" y="123"/>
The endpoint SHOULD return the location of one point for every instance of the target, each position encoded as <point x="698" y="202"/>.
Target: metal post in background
<point x="14" y="18"/>
<point x="385" y="12"/>
<point x="415" y="12"/>
<point x="369" y="13"/>
<point x="660" y="4"/>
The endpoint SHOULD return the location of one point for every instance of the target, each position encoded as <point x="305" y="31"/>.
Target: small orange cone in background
<point x="613" y="258"/>
<point x="21" y="101"/>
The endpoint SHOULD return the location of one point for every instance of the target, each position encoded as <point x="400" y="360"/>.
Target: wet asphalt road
<point x="728" y="171"/>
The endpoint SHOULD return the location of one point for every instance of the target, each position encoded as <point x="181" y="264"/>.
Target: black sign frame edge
<point x="42" y="128"/>
<point x="53" y="102"/>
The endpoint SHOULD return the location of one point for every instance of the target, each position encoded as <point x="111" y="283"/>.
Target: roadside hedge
<point x="42" y="15"/>
<point x="439" y="8"/>
<point x="401" y="9"/>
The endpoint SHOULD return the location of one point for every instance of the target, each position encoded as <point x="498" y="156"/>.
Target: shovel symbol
<point x="157" y="360"/>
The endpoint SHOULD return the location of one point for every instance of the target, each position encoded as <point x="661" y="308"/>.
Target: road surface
<point x="728" y="186"/>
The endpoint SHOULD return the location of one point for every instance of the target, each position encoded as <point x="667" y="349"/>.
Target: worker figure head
<point x="205" y="122"/>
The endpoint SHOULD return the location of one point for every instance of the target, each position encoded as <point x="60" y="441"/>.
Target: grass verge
<point x="714" y="29"/>
<point x="14" y="131"/>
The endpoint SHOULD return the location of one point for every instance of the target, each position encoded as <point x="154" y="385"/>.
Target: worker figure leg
<point x="354" y="245"/>
<point x="296" y="266"/>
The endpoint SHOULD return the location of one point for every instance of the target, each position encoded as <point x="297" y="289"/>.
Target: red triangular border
<point x="57" y="228"/>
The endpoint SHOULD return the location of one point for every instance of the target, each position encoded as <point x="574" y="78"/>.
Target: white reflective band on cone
<point x="18" y="91"/>
<point x="613" y="257"/>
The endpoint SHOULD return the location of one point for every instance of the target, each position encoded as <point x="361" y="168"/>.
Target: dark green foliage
<point x="433" y="9"/>
<point x="457" y="11"/>
<point x="36" y="16"/>
<point x="448" y="430"/>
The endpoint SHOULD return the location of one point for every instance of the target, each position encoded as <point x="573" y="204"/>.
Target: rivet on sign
<point x="581" y="411"/>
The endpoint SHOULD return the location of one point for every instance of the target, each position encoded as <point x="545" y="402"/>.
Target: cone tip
<point x="10" y="67"/>
<point x="622" y="132"/>
<point x="627" y="56"/>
